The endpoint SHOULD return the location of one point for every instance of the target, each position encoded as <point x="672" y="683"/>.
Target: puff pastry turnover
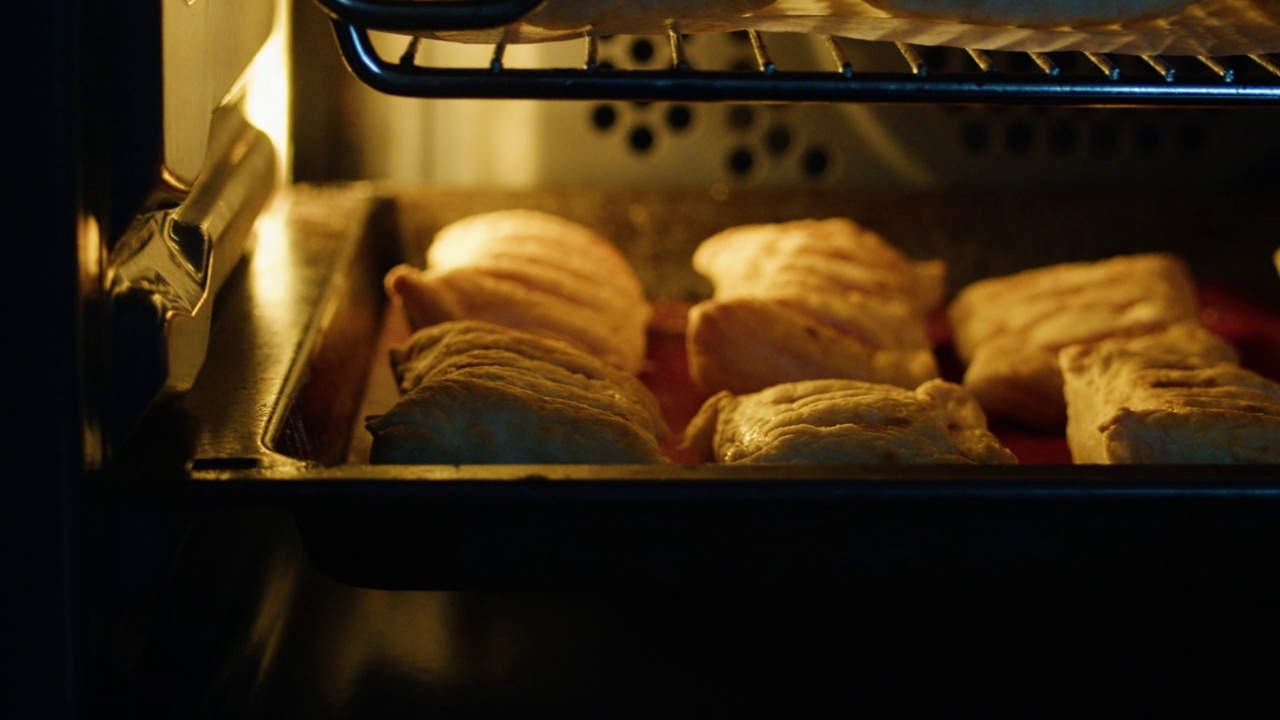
<point x="1149" y="400"/>
<point x="810" y="299"/>
<point x="845" y="422"/>
<point x="531" y="271"/>
<point x="475" y="392"/>
<point x="1034" y="13"/>
<point x="1008" y="330"/>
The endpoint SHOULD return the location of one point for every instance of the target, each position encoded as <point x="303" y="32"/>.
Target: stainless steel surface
<point x="206" y="47"/>
<point x="164" y="276"/>
<point x="278" y="318"/>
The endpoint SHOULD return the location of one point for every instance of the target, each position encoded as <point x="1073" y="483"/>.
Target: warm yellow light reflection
<point x="91" y="260"/>
<point x="266" y="98"/>
<point x="266" y="105"/>
<point x="273" y="272"/>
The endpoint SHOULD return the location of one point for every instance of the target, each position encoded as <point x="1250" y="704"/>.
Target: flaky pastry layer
<point x="845" y="422"/>
<point x="1154" y="401"/>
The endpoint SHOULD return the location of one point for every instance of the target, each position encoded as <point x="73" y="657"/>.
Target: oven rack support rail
<point x="1252" y="80"/>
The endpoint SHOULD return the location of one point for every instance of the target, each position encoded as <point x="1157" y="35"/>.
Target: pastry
<point x="483" y="350"/>
<point x="845" y="422"/>
<point x="1149" y="400"/>
<point x="475" y="392"/>
<point x="570" y="14"/>
<point x="535" y="272"/>
<point x="1008" y="330"/>
<point x="1034" y="13"/>
<point x="748" y="344"/>
<point x="810" y="299"/>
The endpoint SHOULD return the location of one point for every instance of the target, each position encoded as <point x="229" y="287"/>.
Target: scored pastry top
<point x="531" y="271"/>
<point x="1008" y="330"/>
<point x="810" y="299"/>
<point x="1177" y="396"/>
<point x="845" y="421"/>
<point x="475" y="392"/>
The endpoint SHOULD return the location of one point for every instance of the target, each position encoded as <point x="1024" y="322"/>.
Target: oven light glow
<point x="266" y="91"/>
<point x="273" y="272"/>
<point x="266" y="105"/>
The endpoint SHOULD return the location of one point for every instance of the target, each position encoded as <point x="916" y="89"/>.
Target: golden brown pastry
<point x="530" y="271"/>
<point x="1034" y="13"/>
<point x="845" y="422"/>
<point x="810" y="299"/>
<point x="617" y="13"/>
<point x="477" y="349"/>
<point x="475" y="392"/>
<point x="1008" y="330"/>
<point x="748" y="344"/>
<point x="1149" y="400"/>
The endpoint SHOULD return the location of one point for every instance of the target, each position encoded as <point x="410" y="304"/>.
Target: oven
<point x="227" y="184"/>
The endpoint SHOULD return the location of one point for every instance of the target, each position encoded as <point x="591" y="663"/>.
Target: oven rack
<point x="1102" y="80"/>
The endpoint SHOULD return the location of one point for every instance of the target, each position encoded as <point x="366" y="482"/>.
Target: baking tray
<point x="298" y="359"/>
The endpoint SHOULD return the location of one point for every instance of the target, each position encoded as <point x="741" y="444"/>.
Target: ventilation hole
<point x="679" y="117"/>
<point x="741" y="162"/>
<point x="640" y="139"/>
<point x="744" y="66"/>
<point x="815" y="163"/>
<point x="604" y="65"/>
<point x="1018" y="137"/>
<point x="225" y="463"/>
<point x="641" y="50"/>
<point x="1191" y="138"/>
<point x="604" y="117"/>
<point x="1103" y="140"/>
<point x="1063" y="138"/>
<point x="1146" y="138"/>
<point x="641" y="104"/>
<point x="777" y="140"/>
<point x="741" y="117"/>
<point x="975" y="136"/>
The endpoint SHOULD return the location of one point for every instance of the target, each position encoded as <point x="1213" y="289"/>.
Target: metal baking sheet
<point x="299" y="344"/>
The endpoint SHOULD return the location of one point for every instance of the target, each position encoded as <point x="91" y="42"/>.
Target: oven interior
<point x="240" y="423"/>
<point x="265" y="399"/>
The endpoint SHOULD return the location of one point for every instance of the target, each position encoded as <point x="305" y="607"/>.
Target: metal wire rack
<point x="1251" y="80"/>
